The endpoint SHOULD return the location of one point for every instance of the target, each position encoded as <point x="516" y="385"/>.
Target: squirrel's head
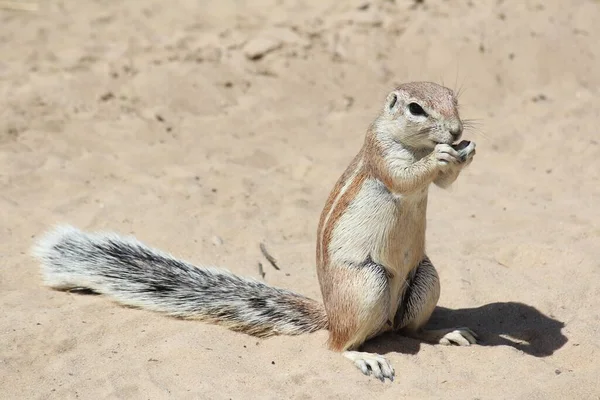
<point x="421" y="115"/>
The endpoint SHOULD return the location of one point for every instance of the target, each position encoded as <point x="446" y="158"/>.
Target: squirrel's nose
<point x="456" y="130"/>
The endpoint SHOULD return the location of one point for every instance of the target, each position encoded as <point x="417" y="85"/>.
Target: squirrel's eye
<point x="416" y="110"/>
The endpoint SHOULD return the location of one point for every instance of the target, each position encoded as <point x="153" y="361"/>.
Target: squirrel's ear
<point x="391" y="101"/>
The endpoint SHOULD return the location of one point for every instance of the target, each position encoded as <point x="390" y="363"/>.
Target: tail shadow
<point x="497" y="324"/>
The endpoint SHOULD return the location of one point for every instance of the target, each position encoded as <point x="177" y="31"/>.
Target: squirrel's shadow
<point x="496" y="324"/>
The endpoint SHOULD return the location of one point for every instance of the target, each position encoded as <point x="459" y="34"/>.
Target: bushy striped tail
<point x="133" y="274"/>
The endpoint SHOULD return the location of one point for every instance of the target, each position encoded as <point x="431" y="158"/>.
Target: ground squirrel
<point x="371" y="263"/>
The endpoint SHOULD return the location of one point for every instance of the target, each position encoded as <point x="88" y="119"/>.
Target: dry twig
<point x="269" y="257"/>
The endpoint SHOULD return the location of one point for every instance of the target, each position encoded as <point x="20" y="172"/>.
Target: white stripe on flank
<point x="343" y="190"/>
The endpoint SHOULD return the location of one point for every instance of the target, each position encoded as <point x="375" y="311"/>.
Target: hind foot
<point x="460" y="336"/>
<point x="371" y="364"/>
<point x="447" y="337"/>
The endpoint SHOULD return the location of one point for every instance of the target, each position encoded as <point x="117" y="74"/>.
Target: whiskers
<point x="460" y="91"/>
<point x="474" y="126"/>
<point x="422" y="136"/>
<point x="423" y="132"/>
<point x="469" y="125"/>
<point x="417" y="137"/>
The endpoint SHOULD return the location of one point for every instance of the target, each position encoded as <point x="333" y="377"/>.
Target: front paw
<point x="466" y="151"/>
<point x="446" y="156"/>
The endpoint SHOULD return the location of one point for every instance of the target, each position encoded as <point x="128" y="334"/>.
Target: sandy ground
<point x="204" y="129"/>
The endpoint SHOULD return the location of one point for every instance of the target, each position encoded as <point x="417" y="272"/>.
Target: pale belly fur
<point x="392" y="233"/>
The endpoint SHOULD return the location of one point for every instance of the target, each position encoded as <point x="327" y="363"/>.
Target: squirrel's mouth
<point x="436" y="142"/>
